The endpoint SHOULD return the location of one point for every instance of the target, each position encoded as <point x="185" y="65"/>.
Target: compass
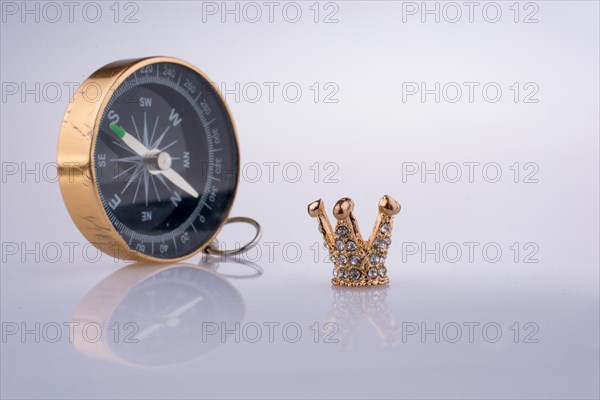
<point x="148" y="159"/>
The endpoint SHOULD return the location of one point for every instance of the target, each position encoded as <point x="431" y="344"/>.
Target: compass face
<point x="166" y="160"/>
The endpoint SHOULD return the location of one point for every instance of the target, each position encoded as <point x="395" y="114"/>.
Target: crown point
<point x="314" y="207"/>
<point x="343" y="208"/>
<point x="389" y="206"/>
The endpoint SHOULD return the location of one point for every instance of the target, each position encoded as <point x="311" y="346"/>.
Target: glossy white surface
<point x="371" y="136"/>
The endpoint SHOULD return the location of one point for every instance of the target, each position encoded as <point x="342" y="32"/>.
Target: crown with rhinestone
<point x="357" y="262"/>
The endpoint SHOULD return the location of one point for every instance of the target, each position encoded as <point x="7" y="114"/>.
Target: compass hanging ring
<point x="213" y="248"/>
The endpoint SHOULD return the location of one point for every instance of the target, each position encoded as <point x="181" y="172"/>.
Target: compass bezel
<point x="76" y="165"/>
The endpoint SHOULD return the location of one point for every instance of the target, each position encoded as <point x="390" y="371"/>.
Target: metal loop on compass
<point x="213" y="247"/>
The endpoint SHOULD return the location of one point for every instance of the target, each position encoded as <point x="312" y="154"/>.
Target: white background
<point x="369" y="51"/>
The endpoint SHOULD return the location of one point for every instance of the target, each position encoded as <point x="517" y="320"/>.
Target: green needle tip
<point x="117" y="130"/>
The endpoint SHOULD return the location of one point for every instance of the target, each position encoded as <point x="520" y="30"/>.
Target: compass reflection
<point x="151" y="315"/>
<point x="353" y="305"/>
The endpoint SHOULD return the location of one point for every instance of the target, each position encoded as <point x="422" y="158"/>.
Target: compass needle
<point x="178" y="181"/>
<point x="182" y="309"/>
<point x="129" y="140"/>
<point x="149" y="331"/>
<point x="160" y="178"/>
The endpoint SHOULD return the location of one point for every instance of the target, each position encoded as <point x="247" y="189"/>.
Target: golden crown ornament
<point x="357" y="262"/>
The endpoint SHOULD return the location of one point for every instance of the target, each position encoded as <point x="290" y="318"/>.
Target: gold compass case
<point x="77" y="172"/>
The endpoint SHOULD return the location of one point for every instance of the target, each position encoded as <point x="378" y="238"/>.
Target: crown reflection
<point x="358" y="262"/>
<point x="351" y="306"/>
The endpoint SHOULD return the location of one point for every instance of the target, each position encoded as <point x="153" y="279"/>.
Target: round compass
<point x="148" y="159"/>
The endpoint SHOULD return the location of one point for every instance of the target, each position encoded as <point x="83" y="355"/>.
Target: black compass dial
<point x="166" y="160"/>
